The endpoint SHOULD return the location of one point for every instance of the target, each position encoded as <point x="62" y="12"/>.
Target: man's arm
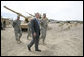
<point x="13" y="24"/>
<point x="32" y="26"/>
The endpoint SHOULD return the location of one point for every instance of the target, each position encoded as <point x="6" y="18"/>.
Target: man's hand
<point x="34" y="34"/>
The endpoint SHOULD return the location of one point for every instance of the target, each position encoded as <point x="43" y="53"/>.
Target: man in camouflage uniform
<point x="1" y="24"/>
<point x="29" y="30"/>
<point x="17" y="29"/>
<point x="4" y="24"/>
<point x="44" y="27"/>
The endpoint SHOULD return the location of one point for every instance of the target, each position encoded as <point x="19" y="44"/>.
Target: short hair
<point x="44" y="13"/>
<point x="36" y="13"/>
<point x="18" y="16"/>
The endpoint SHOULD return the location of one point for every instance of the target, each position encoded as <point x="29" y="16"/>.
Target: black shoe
<point x="29" y="48"/>
<point x="38" y="50"/>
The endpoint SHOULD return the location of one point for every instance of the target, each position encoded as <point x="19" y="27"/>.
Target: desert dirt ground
<point x="59" y="42"/>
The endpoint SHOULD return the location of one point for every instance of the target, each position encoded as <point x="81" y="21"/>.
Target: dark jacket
<point x="35" y="27"/>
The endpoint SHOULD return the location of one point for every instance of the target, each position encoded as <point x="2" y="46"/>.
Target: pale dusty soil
<point x="59" y="42"/>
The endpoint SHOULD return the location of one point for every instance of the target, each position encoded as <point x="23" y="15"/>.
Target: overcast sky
<point x="58" y="10"/>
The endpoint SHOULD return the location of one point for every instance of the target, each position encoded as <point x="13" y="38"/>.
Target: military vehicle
<point x="24" y="25"/>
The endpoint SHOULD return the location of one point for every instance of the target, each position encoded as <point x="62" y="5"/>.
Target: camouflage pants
<point x="43" y="34"/>
<point x="18" y="35"/>
<point x="29" y="33"/>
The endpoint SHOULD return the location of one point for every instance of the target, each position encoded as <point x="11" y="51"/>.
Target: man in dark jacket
<point x="35" y="28"/>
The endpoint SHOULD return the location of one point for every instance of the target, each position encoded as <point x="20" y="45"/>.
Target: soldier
<point x="44" y="26"/>
<point x="4" y="24"/>
<point x="17" y="29"/>
<point x="29" y="30"/>
<point x="1" y="26"/>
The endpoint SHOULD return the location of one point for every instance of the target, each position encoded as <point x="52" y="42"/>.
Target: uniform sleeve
<point x="13" y="24"/>
<point x="32" y="26"/>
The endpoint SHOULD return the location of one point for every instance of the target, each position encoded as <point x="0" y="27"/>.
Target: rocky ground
<point x="59" y="42"/>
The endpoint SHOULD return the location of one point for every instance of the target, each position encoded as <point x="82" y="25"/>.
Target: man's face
<point x="44" y="15"/>
<point x="18" y="17"/>
<point x="37" y="15"/>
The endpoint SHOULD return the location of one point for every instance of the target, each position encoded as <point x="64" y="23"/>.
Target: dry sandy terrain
<point x="59" y="42"/>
